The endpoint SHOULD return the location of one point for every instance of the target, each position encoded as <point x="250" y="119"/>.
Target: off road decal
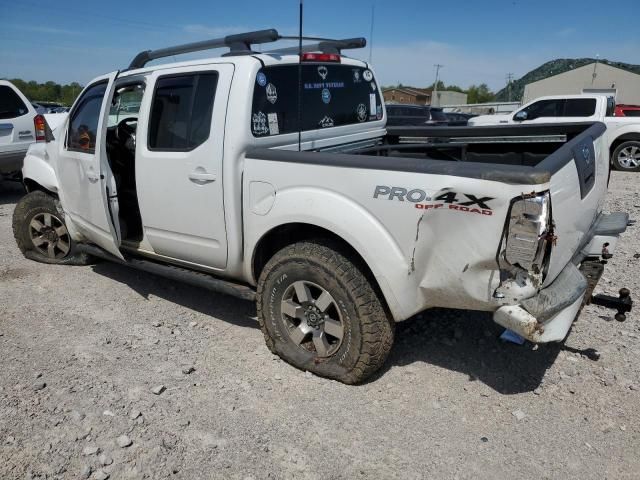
<point x="449" y="200"/>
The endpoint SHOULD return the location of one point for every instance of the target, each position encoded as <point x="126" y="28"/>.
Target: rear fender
<point x="336" y="213"/>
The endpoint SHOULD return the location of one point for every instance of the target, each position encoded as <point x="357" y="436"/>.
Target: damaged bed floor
<point x="83" y="349"/>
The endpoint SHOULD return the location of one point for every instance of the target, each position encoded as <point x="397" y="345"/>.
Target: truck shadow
<point x="10" y="192"/>
<point x="468" y="342"/>
<point x="462" y="341"/>
<point x="232" y="310"/>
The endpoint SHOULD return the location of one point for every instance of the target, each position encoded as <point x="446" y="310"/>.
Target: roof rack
<point x="241" y="43"/>
<point x="324" y="45"/>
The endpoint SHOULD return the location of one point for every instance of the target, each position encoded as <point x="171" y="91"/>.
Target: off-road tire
<point x="368" y="327"/>
<point x="30" y="206"/>
<point x="616" y="153"/>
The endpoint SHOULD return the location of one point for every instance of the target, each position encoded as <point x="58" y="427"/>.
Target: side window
<point x="580" y="107"/>
<point x="126" y="103"/>
<point x="11" y="106"/>
<point x="544" y="108"/>
<point x="83" y="125"/>
<point x="181" y="111"/>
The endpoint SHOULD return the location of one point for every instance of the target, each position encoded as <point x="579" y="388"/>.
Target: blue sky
<point x="477" y="41"/>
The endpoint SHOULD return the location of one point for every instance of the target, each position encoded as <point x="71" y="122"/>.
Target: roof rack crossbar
<point x="238" y="44"/>
<point x="324" y="45"/>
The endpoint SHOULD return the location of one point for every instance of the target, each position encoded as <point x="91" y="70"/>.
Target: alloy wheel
<point x="312" y="318"/>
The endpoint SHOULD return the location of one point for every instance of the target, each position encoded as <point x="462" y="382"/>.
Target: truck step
<point x="173" y="272"/>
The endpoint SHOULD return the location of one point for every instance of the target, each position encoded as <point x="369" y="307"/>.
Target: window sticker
<point x="326" y="95"/>
<point x="356" y="76"/>
<point x="323" y="72"/>
<point x="372" y="102"/>
<point x="259" y="121"/>
<point x="261" y="78"/>
<point x="272" y="93"/>
<point x="362" y="112"/>
<point x="273" y="124"/>
<point x="326" y="122"/>
<point x="367" y="75"/>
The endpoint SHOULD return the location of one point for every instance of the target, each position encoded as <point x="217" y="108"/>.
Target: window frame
<point x="76" y="107"/>
<point x="196" y="73"/>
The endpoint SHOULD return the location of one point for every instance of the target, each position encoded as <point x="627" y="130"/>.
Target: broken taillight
<point x="530" y="232"/>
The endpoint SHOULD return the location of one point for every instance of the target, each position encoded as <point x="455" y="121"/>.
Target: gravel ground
<point x="111" y="372"/>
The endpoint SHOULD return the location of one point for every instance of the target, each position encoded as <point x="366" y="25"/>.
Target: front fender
<point x="342" y="216"/>
<point x="38" y="169"/>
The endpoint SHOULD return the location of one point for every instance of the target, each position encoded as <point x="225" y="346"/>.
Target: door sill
<point x="134" y="248"/>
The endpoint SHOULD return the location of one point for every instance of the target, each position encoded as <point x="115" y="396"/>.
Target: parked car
<point x="17" y="129"/>
<point x="420" y="115"/>
<point x="334" y="231"/>
<point x="458" y="119"/>
<point x="622" y="137"/>
<point x="20" y="125"/>
<point x="627" y="111"/>
<point x="47" y="107"/>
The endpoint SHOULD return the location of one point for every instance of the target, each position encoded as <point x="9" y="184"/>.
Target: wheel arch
<point x="37" y="173"/>
<point x="631" y="136"/>
<point x="286" y="234"/>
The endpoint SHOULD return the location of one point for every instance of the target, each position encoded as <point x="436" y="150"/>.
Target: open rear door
<point x="87" y="188"/>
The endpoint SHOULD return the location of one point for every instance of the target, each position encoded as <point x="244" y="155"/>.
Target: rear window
<point x="580" y="107"/>
<point x="631" y="113"/>
<point x="332" y="96"/>
<point x="11" y="106"/>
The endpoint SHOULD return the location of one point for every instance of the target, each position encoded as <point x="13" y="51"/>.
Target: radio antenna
<point x="300" y="79"/>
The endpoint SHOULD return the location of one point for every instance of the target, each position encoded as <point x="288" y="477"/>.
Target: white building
<point x="592" y="78"/>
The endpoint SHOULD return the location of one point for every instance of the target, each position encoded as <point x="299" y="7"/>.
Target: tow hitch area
<point x="622" y="303"/>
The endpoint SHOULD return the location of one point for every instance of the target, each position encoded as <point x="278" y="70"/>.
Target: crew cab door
<point x="87" y="189"/>
<point x="179" y="158"/>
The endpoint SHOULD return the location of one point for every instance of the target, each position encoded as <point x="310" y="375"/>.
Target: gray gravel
<point x="453" y="401"/>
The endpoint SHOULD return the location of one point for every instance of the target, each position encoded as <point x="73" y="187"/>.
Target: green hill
<point x="554" y="67"/>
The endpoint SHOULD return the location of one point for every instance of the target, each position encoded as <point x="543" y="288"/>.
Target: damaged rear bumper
<point x="547" y="316"/>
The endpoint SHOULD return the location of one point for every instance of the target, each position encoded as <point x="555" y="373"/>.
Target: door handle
<point x="201" y="176"/>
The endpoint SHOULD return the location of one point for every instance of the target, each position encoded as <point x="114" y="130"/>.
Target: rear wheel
<point x="40" y="231"/>
<point x="319" y="312"/>
<point x="626" y="156"/>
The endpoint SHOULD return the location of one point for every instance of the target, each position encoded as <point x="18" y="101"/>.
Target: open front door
<point x="87" y="189"/>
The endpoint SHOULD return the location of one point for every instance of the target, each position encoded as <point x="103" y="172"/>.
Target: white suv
<point x="17" y="130"/>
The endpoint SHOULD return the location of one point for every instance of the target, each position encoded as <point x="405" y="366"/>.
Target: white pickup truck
<point x="622" y="137"/>
<point x="335" y="226"/>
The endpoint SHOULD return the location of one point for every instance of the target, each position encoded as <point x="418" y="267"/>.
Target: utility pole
<point x="434" y="93"/>
<point x="509" y="80"/>
<point x="373" y="12"/>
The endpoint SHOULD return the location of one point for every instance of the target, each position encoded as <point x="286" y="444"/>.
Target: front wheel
<point x="626" y="156"/>
<point x="320" y="313"/>
<point x="40" y="231"/>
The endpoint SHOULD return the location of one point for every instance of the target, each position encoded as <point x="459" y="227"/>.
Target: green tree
<point x="48" y="91"/>
<point x="479" y="94"/>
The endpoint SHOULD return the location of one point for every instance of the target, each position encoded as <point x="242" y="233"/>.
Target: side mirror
<point x="520" y="116"/>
